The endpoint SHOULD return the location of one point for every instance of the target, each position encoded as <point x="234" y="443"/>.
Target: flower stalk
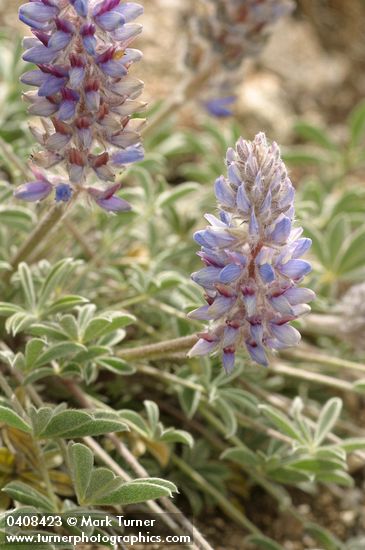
<point x="167" y="348"/>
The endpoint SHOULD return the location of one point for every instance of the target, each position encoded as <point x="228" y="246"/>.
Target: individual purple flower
<point x="42" y="186"/>
<point x="252" y="257"/>
<point x="84" y="93"/>
<point x="107" y="199"/>
<point x="222" y="34"/>
<point x="220" y="107"/>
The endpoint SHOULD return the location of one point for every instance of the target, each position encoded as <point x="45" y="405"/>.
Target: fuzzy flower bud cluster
<point x="84" y="95"/>
<point x="228" y="32"/>
<point x="252" y="256"/>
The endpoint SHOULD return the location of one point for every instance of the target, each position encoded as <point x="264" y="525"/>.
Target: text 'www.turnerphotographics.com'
<point x="136" y="529"/>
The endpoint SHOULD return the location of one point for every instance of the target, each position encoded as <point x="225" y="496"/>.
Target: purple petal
<point x="295" y="269"/>
<point x="234" y="175"/>
<point x="257" y="332"/>
<point x="126" y="33"/>
<point x="114" y="68"/>
<point x="281" y="231"/>
<point x="89" y="42"/>
<point x="33" y="191"/>
<point x="130" y="11"/>
<point x="286" y="334"/>
<point x="40" y="55"/>
<point x="267" y="273"/>
<point x="243" y="202"/>
<point x="81" y="6"/>
<point x="206" y="277"/>
<point x="253" y="227"/>
<point x="201" y="314"/>
<point x="225" y="195"/>
<point x="110" y="21"/>
<point x="67" y="110"/>
<point x="63" y="192"/>
<point x="297" y="296"/>
<point x="230" y="273"/>
<point x="230" y="336"/>
<point x="59" y="40"/>
<point x="228" y="361"/>
<point x="249" y="298"/>
<point x="134" y="153"/>
<point x="114" y="204"/>
<point x="37" y="11"/>
<point x="220" y="107"/>
<point x="43" y="107"/>
<point x="76" y="76"/>
<point x="202" y="347"/>
<point x="93" y="100"/>
<point x="213" y="239"/>
<point x="300" y="247"/>
<point x="257" y="353"/>
<point x="281" y="304"/>
<point x="220" y="306"/>
<point x="51" y="86"/>
<point x="33" y="78"/>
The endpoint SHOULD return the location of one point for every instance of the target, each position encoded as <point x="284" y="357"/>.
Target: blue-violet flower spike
<point x="85" y="95"/>
<point x="223" y="34"/>
<point x="251" y="253"/>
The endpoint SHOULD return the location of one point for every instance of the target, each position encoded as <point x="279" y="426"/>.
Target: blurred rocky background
<point x="312" y="65"/>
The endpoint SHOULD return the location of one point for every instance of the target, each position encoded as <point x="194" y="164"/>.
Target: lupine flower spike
<point x="224" y="33"/>
<point x="84" y="95"/>
<point x="252" y="256"/>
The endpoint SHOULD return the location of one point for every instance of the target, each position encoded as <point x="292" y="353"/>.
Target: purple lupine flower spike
<point x="82" y="57"/>
<point x="252" y="256"/>
<point x="223" y="33"/>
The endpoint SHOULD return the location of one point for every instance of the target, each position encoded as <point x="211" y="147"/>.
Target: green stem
<point x="131" y="301"/>
<point x="320" y="324"/>
<point x="43" y="469"/>
<point x="221" y="500"/>
<point x="10" y="394"/>
<point x="279" y="494"/>
<point x="169" y="377"/>
<point x="313" y="377"/>
<point x="42" y="230"/>
<point x="84" y="245"/>
<point x="163" y="349"/>
<point x="321" y="359"/>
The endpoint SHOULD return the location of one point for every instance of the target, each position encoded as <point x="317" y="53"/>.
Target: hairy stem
<point x="163" y="349"/>
<point x="40" y="232"/>
<point x="313" y="377"/>
<point x="221" y="500"/>
<point x="325" y="325"/>
<point x="10" y="394"/>
<point x="322" y="359"/>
